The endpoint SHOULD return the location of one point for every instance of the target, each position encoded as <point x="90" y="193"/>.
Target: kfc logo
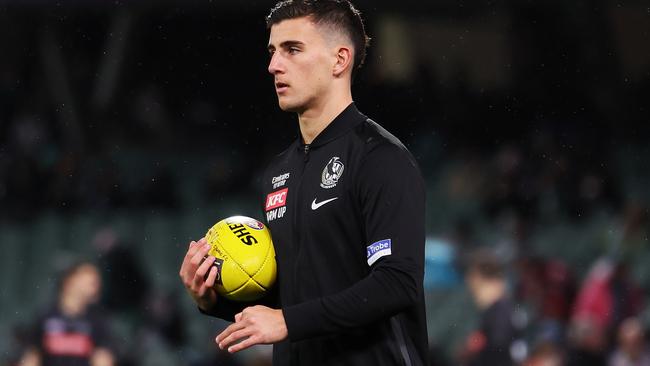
<point x="276" y="199"/>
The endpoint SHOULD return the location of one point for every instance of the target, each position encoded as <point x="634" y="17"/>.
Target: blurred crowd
<point x="93" y="298"/>
<point x="541" y="315"/>
<point x="550" y="236"/>
<point x="531" y="311"/>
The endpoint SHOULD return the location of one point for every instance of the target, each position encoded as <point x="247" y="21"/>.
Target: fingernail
<point x="207" y="246"/>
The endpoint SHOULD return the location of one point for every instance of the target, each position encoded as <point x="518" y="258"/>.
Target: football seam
<point x="266" y="257"/>
<point x="245" y="283"/>
<point x="238" y="266"/>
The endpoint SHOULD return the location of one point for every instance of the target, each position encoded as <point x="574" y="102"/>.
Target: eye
<point x="293" y="50"/>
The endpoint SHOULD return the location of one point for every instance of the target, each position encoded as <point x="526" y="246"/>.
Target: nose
<point x="275" y="65"/>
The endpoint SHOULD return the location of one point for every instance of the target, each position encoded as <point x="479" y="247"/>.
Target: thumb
<point x="238" y="317"/>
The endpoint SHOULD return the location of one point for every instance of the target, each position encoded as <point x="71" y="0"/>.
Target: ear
<point x="344" y="60"/>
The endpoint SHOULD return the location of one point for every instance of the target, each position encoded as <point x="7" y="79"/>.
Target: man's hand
<point x="254" y="325"/>
<point x="193" y="271"/>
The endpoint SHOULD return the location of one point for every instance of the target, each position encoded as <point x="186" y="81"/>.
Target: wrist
<point x="282" y="324"/>
<point x="207" y="302"/>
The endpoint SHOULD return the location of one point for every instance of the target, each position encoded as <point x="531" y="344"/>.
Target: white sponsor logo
<point x="277" y="213"/>
<point x="332" y="173"/>
<point x="315" y="206"/>
<point x="377" y="250"/>
<point x="280" y="180"/>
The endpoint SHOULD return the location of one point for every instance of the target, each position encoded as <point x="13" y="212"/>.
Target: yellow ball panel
<point x="247" y="246"/>
<point x="267" y="273"/>
<point x="250" y="291"/>
<point x="232" y="276"/>
<point x="245" y="257"/>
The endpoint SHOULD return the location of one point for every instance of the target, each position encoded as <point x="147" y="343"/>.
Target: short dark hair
<point x="340" y="14"/>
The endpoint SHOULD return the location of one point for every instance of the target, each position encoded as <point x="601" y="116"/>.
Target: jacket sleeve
<point x="226" y="309"/>
<point x="391" y="195"/>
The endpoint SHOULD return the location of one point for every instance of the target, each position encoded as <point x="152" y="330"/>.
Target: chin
<point x="290" y="107"/>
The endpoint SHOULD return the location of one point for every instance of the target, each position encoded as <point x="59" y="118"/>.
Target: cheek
<point x="316" y="69"/>
<point x="319" y="78"/>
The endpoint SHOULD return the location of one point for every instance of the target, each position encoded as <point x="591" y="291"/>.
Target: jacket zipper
<point x="296" y="229"/>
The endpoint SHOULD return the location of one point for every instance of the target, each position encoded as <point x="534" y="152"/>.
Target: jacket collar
<point x="345" y="121"/>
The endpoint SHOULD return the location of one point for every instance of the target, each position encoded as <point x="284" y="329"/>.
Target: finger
<point x="189" y="254"/>
<point x="204" y="287"/>
<point x="250" y="341"/>
<point x="191" y="249"/>
<point x="199" y="275"/>
<point x="234" y="337"/>
<point x="190" y="265"/>
<point x="238" y="317"/>
<point x="229" y="330"/>
<point x="212" y="277"/>
<point x="200" y="254"/>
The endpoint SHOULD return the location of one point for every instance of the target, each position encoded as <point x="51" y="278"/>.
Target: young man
<point x="345" y="204"/>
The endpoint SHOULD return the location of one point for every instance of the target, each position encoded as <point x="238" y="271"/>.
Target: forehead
<point x="87" y="270"/>
<point x="298" y="29"/>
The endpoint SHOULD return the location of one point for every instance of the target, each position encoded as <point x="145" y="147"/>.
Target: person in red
<point x="608" y="296"/>
<point x="72" y="332"/>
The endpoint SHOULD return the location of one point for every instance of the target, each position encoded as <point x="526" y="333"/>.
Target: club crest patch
<point x="332" y="172"/>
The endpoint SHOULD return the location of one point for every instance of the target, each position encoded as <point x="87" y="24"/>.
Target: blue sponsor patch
<point x="377" y="250"/>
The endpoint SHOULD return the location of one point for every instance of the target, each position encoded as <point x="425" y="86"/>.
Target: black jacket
<point x="347" y="218"/>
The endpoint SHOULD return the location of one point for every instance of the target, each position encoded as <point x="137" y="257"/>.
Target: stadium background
<point x="127" y="128"/>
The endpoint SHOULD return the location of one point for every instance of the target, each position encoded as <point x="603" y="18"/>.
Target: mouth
<point x="281" y="87"/>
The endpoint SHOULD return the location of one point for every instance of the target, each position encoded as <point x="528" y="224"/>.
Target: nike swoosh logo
<point x="315" y="206"/>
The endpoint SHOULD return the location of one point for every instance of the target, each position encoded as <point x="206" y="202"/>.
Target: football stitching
<point x="266" y="257"/>
<point x="237" y="264"/>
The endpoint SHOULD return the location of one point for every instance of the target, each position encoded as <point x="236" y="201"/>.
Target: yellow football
<point x="245" y="258"/>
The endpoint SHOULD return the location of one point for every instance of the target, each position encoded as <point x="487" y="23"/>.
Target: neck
<point x="70" y="305"/>
<point x="314" y="120"/>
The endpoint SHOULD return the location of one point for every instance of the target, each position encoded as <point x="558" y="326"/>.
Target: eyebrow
<point x="286" y="44"/>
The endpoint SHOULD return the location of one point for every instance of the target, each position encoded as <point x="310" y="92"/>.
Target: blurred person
<point x="587" y="344"/>
<point x="72" y="332"/>
<point x="545" y="354"/>
<point x="164" y="319"/>
<point x="632" y="349"/>
<point x="493" y="343"/>
<point x="350" y="245"/>
<point x="547" y="287"/>
<point x="607" y="296"/>
<point x="631" y="232"/>
<point x="124" y="291"/>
